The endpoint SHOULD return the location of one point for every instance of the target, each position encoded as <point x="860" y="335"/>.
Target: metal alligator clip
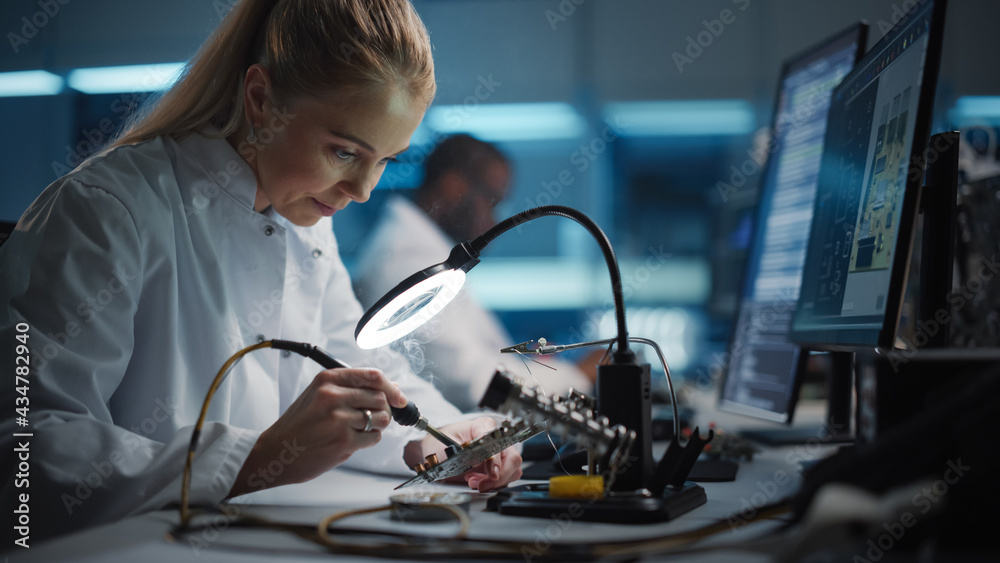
<point x="544" y="347"/>
<point x="521" y="348"/>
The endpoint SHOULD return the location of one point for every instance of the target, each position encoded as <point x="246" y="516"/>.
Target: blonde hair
<point x="311" y="48"/>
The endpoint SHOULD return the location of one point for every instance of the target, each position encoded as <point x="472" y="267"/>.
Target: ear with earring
<point x="252" y="136"/>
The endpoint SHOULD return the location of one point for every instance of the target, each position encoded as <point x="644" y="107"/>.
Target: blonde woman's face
<point x="313" y="158"/>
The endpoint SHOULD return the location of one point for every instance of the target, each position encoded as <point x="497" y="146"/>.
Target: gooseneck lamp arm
<point x="421" y="296"/>
<point x="622" y="352"/>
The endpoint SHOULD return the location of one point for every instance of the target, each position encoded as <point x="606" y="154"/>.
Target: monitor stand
<point x="938" y="200"/>
<point x="837" y="428"/>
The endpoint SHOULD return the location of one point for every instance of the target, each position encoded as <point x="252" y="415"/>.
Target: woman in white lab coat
<point x="204" y="229"/>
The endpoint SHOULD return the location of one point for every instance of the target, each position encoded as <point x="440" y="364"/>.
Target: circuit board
<point x="476" y="452"/>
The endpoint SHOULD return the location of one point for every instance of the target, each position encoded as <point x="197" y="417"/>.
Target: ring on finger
<point x="368" y="421"/>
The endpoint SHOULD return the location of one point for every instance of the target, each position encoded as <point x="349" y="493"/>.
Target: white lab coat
<point x="139" y="274"/>
<point x="458" y="351"/>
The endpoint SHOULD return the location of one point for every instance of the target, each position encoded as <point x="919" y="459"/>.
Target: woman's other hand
<point x="496" y="472"/>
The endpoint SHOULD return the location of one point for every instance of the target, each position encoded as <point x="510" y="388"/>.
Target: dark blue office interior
<point x="659" y="120"/>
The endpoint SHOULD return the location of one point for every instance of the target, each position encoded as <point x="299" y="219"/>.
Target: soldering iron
<point x="405" y="416"/>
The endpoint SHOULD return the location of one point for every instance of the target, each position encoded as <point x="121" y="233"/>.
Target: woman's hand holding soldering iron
<point x="343" y="410"/>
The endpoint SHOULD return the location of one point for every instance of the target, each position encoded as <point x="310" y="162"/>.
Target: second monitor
<point x="765" y="367"/>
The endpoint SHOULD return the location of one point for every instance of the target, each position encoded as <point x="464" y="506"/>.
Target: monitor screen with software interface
<point x="762" y="375"/>
<point x="868" y="193"/>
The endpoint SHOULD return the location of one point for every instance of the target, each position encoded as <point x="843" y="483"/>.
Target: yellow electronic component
<point x="590" y="487"/>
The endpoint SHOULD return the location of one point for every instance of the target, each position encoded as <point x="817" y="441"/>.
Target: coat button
<point x="260" y="338"/>
<point x="286" y="353"/>
<point x="268" y="230"/>
<point x="317" y="253"/>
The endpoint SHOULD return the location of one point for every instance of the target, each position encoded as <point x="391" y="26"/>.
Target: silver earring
<point x="252" y="137"/>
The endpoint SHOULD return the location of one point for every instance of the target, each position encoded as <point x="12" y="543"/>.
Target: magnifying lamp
<point x="415" y="300"/>
<point x="623" y="387"/>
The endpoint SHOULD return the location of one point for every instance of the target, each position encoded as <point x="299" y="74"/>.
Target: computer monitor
<point x="869" y="189"/>
<point x="765" y="367"/>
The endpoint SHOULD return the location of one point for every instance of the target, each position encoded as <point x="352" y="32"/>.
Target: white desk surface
<point x="142" y="538"/>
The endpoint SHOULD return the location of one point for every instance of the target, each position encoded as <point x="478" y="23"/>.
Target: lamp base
<point x="534" y="501"/>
